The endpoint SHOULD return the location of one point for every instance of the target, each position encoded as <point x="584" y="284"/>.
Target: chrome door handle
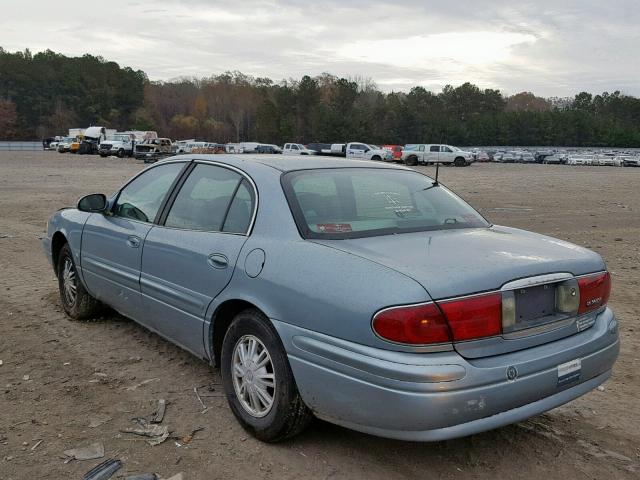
<point x="133" y="241"/>
<point x="217" y="260"/>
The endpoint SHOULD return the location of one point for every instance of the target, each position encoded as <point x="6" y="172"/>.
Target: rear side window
<point x="360" y="202"/>
<point x="241" y="210"/>
<point x="205" y="199"/>
<point x="141" y="199"/>
<point x="434" y="148"/>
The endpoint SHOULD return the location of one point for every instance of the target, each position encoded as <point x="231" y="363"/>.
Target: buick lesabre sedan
<point x="363" y="293"/>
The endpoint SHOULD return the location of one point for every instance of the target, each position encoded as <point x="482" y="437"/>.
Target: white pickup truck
<point x="368" y="152"/>
<point x="427" y="153"/>
<point x="296" y="149"/>
<point x="119" y="144"/>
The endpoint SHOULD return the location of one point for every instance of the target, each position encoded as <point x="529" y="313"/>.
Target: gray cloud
<point x="549" y="47"/>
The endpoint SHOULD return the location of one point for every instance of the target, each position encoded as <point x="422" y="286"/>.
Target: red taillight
<point x="594" y="291"/>
<point x="474" y="317"/>
<point x="413" y="324"/>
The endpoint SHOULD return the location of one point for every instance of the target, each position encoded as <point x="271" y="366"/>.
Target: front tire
<point x="75" y="299"/>
<point x="376" y="158"/>
<point x="258" y="381"/>
<point x="121" y="153"/>
<point x="460" y="162"/>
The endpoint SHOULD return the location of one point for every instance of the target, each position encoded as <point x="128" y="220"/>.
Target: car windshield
<point x="361" y="202"/>
<point x="455" y="149"/>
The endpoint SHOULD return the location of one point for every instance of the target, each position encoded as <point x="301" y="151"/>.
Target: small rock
<point x="601" y="388"/>
<point x="617" y="239"/>
<point x="1" y="363"/>
<point x="25" y="377"/>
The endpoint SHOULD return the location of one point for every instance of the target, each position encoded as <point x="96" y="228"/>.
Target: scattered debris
<point x="36" y="445"/>
<point x="98" y="419"/>
<point x="19" y="423"/>
<point x="1" y="363"/>
<point x="142" y="476"/>
<point x="187" y="438"/>
<point x="156" y="433"/>
<point x="104" y="470"/>
<point x="90" y="452"/>
<point x="205" y="408"/>
<point x="138" y="385"/>
<point x="6" y="236"/>
<point x="601" y="388"/>
<point x="158" y="415"/>
<point x="25" y="377"/>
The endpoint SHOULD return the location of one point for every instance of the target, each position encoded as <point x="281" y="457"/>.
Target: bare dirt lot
<point x="59" y="378"/>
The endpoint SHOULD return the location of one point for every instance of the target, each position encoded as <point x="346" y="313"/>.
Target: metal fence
<point x="20" y="146"/>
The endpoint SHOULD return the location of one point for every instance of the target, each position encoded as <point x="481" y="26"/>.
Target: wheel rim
<point x="253" y="376"/>
<point x="69" y="282"/>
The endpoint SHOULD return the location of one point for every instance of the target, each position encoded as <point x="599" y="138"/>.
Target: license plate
<point x="534" y="306"/>
<point x="569" y="372"/>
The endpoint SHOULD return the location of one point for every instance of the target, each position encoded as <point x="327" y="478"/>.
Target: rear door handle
<point x="217" y="260"/>
<point x="133" y="241"/>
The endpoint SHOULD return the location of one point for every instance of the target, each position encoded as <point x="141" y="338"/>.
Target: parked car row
<point x="563" y="157"/>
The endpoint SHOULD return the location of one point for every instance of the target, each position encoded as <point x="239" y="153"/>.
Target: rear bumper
<point x="438" y="396"/>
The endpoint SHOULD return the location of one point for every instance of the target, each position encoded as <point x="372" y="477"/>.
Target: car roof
<point x="287" y="163"/>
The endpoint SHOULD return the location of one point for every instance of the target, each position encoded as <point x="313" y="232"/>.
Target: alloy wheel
<point x="253" y="376"/>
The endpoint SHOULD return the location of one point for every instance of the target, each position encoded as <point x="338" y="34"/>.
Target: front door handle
<point x="133" y="241"/>
<point x="217" y="260"/>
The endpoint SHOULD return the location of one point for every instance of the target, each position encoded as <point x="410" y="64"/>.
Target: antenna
<point x="438" y="162"/>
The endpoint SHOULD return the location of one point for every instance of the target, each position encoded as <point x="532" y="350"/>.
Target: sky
<point x="551" y="48"/>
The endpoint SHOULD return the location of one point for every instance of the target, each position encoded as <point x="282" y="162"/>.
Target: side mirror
<point x="96" y="202"/>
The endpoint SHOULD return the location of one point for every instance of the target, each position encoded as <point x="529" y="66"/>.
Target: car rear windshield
<point x="362" y="202"/>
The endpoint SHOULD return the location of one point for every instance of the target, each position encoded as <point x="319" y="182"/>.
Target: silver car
<point x="363" y="293"/>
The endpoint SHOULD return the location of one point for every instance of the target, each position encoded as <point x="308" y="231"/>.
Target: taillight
<point x="594" y="291"/>
<point x="412" y="324"/>
<point x="474" y="317"/>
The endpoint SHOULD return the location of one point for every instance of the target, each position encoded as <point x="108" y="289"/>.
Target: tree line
<point x="46" y="93"/>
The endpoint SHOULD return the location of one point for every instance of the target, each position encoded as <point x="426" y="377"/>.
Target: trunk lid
<point x="454" y="263"/>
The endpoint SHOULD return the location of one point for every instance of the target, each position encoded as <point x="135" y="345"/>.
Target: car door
<point x="189" y="258"/>
<point x="355" y="150"/>
<point x="111" y="249"/>
<point x="432" y="154"/>
<point x="447" y="155"/>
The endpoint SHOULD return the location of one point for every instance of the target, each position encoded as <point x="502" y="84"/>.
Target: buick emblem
<point x="512" y="373"/>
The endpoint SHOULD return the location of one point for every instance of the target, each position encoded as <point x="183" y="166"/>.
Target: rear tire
<point x="376" y="158"/>
<point x="258" y="381"/>
<point x="121" y="153"/>
<point x="411" y="161"/>
<point x="75" y="299"/>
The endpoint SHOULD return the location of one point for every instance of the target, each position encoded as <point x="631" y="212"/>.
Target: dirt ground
<point x="58" y="378"/>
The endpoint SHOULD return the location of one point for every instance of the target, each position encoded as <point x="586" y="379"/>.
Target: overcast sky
<point x="553" y="48"/>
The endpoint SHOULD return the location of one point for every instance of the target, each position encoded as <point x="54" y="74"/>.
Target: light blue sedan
<point x="366" y="294"/>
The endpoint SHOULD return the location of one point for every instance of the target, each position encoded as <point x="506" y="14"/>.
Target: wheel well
<point x="57" y="242"/>
<point x="222" y="318"/>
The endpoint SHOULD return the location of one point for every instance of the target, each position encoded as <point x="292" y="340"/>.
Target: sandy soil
<point x="57" y="376"/>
